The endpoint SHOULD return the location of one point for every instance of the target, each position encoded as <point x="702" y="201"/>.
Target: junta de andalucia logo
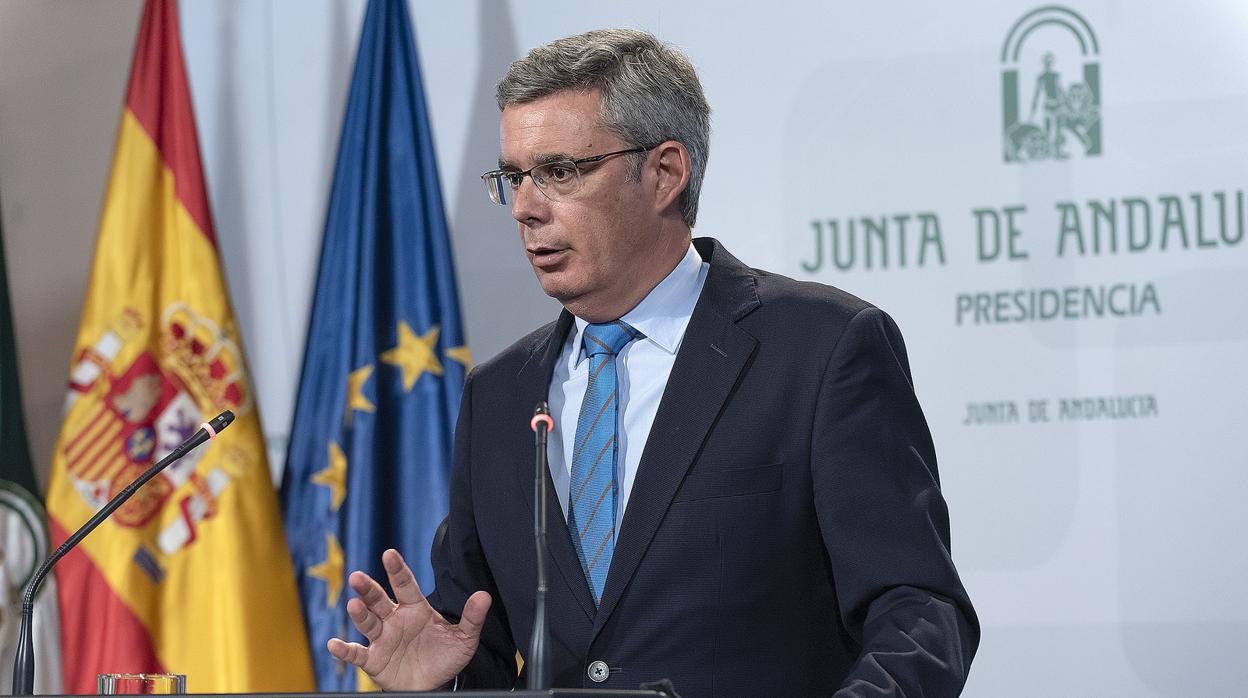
<point x="1051" y="87"/>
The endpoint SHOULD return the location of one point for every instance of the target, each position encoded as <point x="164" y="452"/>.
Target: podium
<point x="551" y="692"/>
<point x="548" y="693"/>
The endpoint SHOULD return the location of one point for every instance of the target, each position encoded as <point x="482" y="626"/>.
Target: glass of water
<point x="140" y="684"/>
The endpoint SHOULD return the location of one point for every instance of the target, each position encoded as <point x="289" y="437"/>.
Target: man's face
<point x="586" y="249"/>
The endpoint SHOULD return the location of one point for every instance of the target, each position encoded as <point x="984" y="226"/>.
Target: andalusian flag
<point x="192" y="575"/>
<point x="23" y="525"/>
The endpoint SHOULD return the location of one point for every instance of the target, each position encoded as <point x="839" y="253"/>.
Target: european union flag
<point x="369" y="461"/>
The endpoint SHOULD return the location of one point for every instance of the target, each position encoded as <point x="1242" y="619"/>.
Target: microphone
<point x="538" y="664"/>
<point x="24" y="661"/>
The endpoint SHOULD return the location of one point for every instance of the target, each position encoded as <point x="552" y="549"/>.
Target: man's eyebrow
<point x="545" y="159"/>
<point x="551" y="157"/>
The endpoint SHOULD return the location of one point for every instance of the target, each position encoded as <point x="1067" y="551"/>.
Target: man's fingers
<point x="350" y="652"/>
<point x="406" y="590"/>
<point x="364" y="620"/>
<point x="475" y="609"/>
<point x="371" y="593"/>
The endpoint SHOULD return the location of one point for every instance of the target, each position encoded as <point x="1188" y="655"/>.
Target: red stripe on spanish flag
<point x="192" y="575"/>
<point x="159" y="96"/>
<point x="86" y="600"/>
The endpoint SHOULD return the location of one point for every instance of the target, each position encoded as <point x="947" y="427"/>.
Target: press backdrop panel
<point x="1050" y="199"/>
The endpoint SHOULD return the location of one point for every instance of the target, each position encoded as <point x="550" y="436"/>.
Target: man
<point x="747" y="489"/>
<point x="1049" y="84"/>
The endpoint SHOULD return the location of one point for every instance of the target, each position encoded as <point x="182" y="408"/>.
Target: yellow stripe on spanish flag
<point x="192" y="575"/>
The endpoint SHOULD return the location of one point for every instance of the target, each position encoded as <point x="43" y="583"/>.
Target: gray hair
<point x="649" y="90"/>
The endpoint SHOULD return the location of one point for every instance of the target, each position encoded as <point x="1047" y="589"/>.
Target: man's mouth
<point x="544" y="256"/>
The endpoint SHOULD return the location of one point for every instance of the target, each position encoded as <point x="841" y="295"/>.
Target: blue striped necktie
<point x="592" y="491"/>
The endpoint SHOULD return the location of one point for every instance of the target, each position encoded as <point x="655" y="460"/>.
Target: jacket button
<point x="598" y="671"/>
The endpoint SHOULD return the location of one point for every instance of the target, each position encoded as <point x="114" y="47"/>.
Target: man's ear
<point x="672" y="170"/>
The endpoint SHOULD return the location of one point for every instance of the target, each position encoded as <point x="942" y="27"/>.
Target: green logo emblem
<point x="1056" y="119"/>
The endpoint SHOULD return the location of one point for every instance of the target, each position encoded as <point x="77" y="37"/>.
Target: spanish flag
<point x="191" y="576"/>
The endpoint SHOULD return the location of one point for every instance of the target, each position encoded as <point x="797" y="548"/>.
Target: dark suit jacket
<point x="785" y="535"/>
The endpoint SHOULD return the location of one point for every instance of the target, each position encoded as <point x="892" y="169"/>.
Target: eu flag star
<point x="334" y="476"/>
<point x="330" y="570"/>
<point x="414" y="354"/>
<point x="460" y="354"/>
<point x="355" y="392"/>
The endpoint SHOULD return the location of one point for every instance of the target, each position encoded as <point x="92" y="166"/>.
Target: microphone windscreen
<point x="222" y="421"/>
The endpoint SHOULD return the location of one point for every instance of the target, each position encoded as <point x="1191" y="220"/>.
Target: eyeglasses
<point x="557" y="180"/>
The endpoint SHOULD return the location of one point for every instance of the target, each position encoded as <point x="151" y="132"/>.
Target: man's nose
<point x="528" y="204"/>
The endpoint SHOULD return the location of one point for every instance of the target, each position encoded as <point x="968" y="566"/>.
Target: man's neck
<point x="651" y="273"/>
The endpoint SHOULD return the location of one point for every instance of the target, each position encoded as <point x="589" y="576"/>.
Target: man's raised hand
<point x="411" y="647"/>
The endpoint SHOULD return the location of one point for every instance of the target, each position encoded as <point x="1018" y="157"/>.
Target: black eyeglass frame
<point x="516" y="178"/>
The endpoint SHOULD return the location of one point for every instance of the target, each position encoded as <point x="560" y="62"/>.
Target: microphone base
<point x="24" y="660"/>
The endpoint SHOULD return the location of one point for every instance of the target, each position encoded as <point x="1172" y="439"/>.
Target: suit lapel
<point x="533" y="384"/>
<point x="711" y="356"/>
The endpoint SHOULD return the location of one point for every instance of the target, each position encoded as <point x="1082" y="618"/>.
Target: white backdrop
<point x="1102" y="546"/>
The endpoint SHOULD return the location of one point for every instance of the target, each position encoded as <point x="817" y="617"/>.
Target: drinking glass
<point x="140" y="684"/>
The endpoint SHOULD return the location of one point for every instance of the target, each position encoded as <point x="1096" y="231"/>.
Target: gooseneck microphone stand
<point x="24" y="661"/>
<point x="538" y="664"/>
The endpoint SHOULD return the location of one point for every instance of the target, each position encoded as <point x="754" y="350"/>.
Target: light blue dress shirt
<point x="642" y="369"/>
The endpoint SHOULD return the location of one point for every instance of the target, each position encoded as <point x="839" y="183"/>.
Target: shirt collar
<point x="664" y="313"/>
